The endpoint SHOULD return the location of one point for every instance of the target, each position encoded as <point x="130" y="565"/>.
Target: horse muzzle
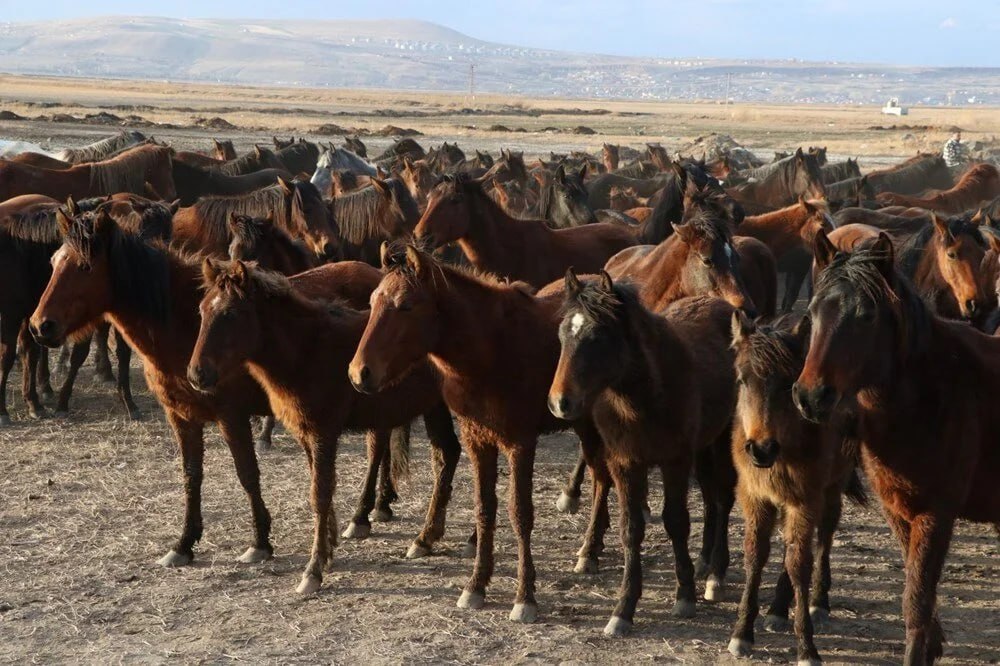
<point x="202" y="378"/>
<point x="47" y="333"/>
<point x="815" y="404"/>
<point x="762" y="454"/>
<point x="564" y="407"/>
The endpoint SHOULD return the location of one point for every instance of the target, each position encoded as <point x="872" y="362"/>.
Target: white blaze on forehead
<point x="575" y="324"/>
<point x="214" y="305"/>
<point x="59" y="255"/>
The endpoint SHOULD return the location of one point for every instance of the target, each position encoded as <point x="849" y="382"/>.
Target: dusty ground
<point x="90" y="502"/>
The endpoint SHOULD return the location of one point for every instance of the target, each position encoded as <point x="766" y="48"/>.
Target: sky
<point x="917" y="32"/>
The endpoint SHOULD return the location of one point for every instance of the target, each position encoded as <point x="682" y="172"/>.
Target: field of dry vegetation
<point x="89" y="502"/>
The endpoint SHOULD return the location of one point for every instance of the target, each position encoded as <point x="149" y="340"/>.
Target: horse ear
<point x="883" y="247"/>
<point x="209" y="270"/>
<point x="742" y="326"/>
<point x="103" y="222"/>
<point x="381" y="187"/>
<point x="941" y="226"/>
<point x="64" y="221"/>
<point x="286" y="187"/>
<point x="384" y="255"/>
<point x="799" y="154"/>
<point x="240" y="273"/>
<point x="583" y="171"/>
<point x="233" y="222"/>
<point x="606" y="283"/>
<point x="270" y="217"/>
<point x="803" y="330"/>
<point x="71" y="206"/>
<point x="257" y="153"/>
<point x="572" y="283"/>
<point x="993" y="240"/>
<point x="174" y="206"/>
<point x="415" y="261"/>
<point x="560" y="175"/>
<point x="823" y="250"/>
<point x="679" y="171"/>
<point x="407" y="164"/>
<point x="683" y="231"/>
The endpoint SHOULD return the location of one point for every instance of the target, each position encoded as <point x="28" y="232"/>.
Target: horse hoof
<point x="776" y="624"/>
<point x="262" y="446"/>
<point x="471" y="600"/>
<point x="524" y="612"/>
<point x="48" y="393"/>
<point x="468" y="550"/>
<point x="567" y="503"/>
<point x="713" y="588"/>
<point x="617" y="627"/>
<point x="382" y="515"/>
<point x="586" y="565"/>
<point x="683" y="608"/>
<point x="134" y="415"/>
<point x="417" y="550"/>
<point x="174" y="559"/>
<point x="254" y="555"/>
<point x="357" y="531"/>
<point x="309" y="585"/>
<point x="61" y="413"/>
<point x="4" y="420"/>
<point x="820" y="617"/>
<point x="810" y="662"/>
<point x="740" y="648"/>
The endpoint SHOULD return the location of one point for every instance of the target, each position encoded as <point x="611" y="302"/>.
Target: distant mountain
<point x="418" y="55"/>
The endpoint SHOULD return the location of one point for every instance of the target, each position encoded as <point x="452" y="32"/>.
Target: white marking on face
<point x="59" y="255"/>
<point x="729" y="251"/>
<point x="575" y="324"/>
<point x="214" y="305"/>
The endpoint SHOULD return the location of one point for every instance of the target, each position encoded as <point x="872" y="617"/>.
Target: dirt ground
<point x="90" y="502"/>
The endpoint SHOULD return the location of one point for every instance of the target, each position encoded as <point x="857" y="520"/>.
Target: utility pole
<point x="729" y="80"/>
<point x="472" y="81"/>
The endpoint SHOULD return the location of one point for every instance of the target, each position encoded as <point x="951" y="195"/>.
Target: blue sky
<point x="923" y="32"/>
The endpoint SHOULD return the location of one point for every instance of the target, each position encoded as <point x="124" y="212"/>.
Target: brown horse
<point x="41" y="161"/>
<point x="978" y="185"/>
<point x="260" y="240"/>
<point x="128" y="172"/>
<point x="789" y="234"/>
<point x="420" y="179"/>
<point x="911" y="176"/>
<point x="787" y="464"/>
<point x="897" y="226"/>
<point x="297" y="208"/>
<point x="364" y="219"/>
<point x="475" y="330"/>
<point x="193" y="182"/>
<point x="223" y="150"/>
<point x="528" y="250"/>
<point x="255" y="160"/>
<point x="797" y="176"/>
<point x="621" y="363"/>
<point x="610" y="156"/>
<point x="151" y="294"/>
<point x="298" y="349"/>
<point x="921" y="394"/>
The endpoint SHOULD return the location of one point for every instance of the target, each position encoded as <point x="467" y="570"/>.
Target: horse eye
<point x="952" y="254"/>
<point x="707" y="261"/>
<point x="739" y="381"/>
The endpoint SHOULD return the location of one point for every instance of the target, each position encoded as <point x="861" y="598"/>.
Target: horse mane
<point x="214" y="212"/>
<point x="603" y="306"/>
<point x="104" y="148"/>
<point x="127" y="171"/>
<point x="772" y="348"/>
<point x="139" y="270"/>
<point x="33" y="226"/>
<point x="249" y="162"/>
<point x="395" y="262"/>
<point x="912" y="250"/>
<point x="860" y="270"/>
<point x="274" y="284"/>
<point x="976" y="175"/>
<point x="357" y="214"/>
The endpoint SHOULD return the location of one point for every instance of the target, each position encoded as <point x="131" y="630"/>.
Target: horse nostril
<point x="46" y="328"/>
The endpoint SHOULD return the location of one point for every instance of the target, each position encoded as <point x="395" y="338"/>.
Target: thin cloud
<point x="948" y="23"/>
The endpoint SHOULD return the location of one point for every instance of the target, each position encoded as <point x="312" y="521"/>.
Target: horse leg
<point x="323" y="459"/>
<point x="63" y="361"/>
<point x="102" y="360"/>
<point x="265" y="427"/>
<point x="124" y="354"/>
<point x="190" y="440"/>
<point x="44" y="375"/>
<point x="759" y="523"/>
<point x="521" y="511"/>
<point x="776" y="618"/>
<point x="569" y="498"/>
<point x="703" y="474"/>
<point x="239" y="436"/>
<point x="630" y="484"/>
<point x="397" y="457"/>
<point x="445" y="452"/>
<point x="483" y="456"/>
<point x="903" y="531"/>
<point x="677" y="523"/>
<point x="8" y="354"/>
<point x="78" y="356"/>
<point x="794" y="278"/>
<point x="724" y="480"/>
<point x="30" y="351"/>
<point x="377" y="443"/>
<point x="819" y="604"/>
<point x="930" y="536"/>
<point x="593" y="541"/>
<point x="799" y="528"/>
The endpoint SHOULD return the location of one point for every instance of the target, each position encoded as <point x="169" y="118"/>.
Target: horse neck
<point x="663" y="278"/>
<point x="777" y="230"/>
<point x="494" y="237"/>
<point x="167" y="345"/>
<point x="655" y="352"/>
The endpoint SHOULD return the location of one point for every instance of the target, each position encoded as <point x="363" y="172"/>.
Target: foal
<point x="784" y="463"/>
<point x="298" y="349"/>
<point x="658" y="388"/>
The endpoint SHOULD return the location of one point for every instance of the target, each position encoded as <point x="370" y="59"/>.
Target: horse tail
<point x="399" y="452"/>
<point x="855" y="489"/>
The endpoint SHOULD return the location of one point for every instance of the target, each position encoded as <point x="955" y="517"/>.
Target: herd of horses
<point x="629" y="297"/>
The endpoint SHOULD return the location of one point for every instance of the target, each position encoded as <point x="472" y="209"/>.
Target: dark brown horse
<point x="978" y="185"/>
<point x="912" y="176"/>
<point x="41" y="161"/>
<point x="297" y="208"/>
<point x="128" y="172"/>
<point x="789" y="234"/>
<point x="921" y="393"/>
<point x="193" y="182"/>
<point x="298" y="349"/>
<point x="495" y="346"/>
<point x="460" y="210"/>
<point x="255" y="160"/>
<point x="562" y="201"/>
<point x="621" y="363"/>
<point x="260" y="240"/>
<point x="794" y="177"/>
<point x="223" y="150"/>
<point x="786" y="464"/>
<point x="610" y="156"/>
